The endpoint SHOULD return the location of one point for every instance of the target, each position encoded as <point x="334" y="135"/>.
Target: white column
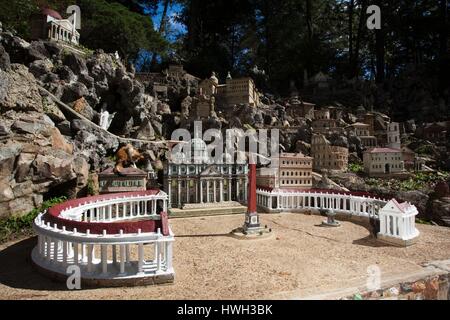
<point x="215" y="191"/>
<point x="104" y="258"/>
<point x="122" y="259"/>
<point x="90" y="251"/>
<point x="158" y="256"/>
<point x="179" y="193"/>
<point x="141" y="257"/>
<point x="169" y="192"/>
<point x="64" y="252"/>
<point x="168" y="255"/>
<point x="395" y="226"/>
<point x="187" y="191"/>
<point x="221" y="190"/>
<point x="75" y="253"/>
<point x="201" y="191"/>
<point x="48" y="255"/>
<point x="207" y="191"/>
<point x="127" y="253"/>
<point x="55" y="251"/>
<point x="83" y="253"/>
<point x="114" y="254"/>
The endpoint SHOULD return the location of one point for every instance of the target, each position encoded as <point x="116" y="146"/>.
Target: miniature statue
<point x="126" y="156"/>
<point x="331" y="222"/>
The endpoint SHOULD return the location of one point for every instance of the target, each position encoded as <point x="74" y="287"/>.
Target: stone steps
<point x="203" y="212"/>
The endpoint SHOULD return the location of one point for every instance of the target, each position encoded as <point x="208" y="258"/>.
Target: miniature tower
<point x="393" y="135"/>
<point x="251" y="217"/>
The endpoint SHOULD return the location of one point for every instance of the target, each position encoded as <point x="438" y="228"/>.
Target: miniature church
<point x="195" y="182"/>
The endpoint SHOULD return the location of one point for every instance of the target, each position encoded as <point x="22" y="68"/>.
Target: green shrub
<point x="355" y="168"/>
<point x="22" y="224"/>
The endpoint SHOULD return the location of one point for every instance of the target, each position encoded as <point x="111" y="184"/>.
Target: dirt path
<point x="302" y="259"/>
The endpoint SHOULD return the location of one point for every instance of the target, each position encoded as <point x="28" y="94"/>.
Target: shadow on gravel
<point x="17" y="271"/>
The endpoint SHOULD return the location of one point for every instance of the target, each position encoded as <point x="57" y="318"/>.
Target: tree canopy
<point x="287" y="40"/>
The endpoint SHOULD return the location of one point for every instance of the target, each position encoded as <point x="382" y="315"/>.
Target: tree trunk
<point x="351" y="7"/>
<point x="362" y="20"/>
<point x="380" y="49"/>
<point x="444" y="55"/>
<point x="310" y="35"/>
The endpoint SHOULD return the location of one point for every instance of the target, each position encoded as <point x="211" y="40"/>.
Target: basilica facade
<point x="194" y="180"/>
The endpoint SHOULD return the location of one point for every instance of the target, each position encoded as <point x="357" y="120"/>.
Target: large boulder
<point x="55" y="165"/>
<point x="5" y="62"/>
<point x="23" y="52"/>
<point x="440" y="211"/>
<point x="76" y="63"/>
<point x="19" y="90"/>
<point x="52" y="110"/>
<point x="418" y="198"/>
<point x="82" y="107"/>
<point x="74" y="91"/>
<point x="8" y="155"/>
<point x="146" y="131"/>
<point x="65" y="73"/>
<point x="40" y="68"/>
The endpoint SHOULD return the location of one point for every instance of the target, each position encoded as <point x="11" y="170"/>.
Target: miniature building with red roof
<point x="48" y="24"/>
<point x="383" y="161"/>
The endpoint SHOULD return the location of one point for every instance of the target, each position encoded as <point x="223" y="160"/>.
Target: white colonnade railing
<point x="348" y="203"/>
<point x="108" y="237"/>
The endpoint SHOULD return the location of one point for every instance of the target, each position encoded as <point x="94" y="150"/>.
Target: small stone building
<point x="301" y="109"/>
<point x="383" y="161"/>
<point x="234" y="92"/>
<point x="327" y="156"/>
<point x="130" y="180"/>
<point x="203" y="106"/>
<point x="393" y="135"/>
<point x="324" y="123"/>
<point x="362" y="131"/>
<point x="294" y="171"/>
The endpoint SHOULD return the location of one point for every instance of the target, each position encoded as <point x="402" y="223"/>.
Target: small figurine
<point x="126" y="156"/>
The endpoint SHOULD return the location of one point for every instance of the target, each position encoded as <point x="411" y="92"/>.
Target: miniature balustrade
<point x="105" y="256"/>
<point x="117" y="209"/>
<point x="354" y="204"/>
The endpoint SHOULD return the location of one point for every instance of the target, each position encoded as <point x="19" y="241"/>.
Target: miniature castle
<point x="327" y="156"/>
<point x="233" y="92"/>
<point x="294" y="171"/>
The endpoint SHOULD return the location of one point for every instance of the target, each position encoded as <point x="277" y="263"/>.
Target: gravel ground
<point x="300" y="260"/>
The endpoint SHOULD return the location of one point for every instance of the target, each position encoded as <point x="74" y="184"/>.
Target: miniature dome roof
<point x="198" y="150"/>
<point x="51" y="13"/>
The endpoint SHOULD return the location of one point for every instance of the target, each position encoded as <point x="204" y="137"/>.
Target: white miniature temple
<point x="49" y="24"/>
<point x="397" y="223"/>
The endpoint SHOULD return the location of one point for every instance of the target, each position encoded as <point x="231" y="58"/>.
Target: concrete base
<point x="203" y="212"/>
<point x="87" y="282"/>
<point x="252" y="234"/>
<point x="330" y="225"/>
<point x="396" y="241"/>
